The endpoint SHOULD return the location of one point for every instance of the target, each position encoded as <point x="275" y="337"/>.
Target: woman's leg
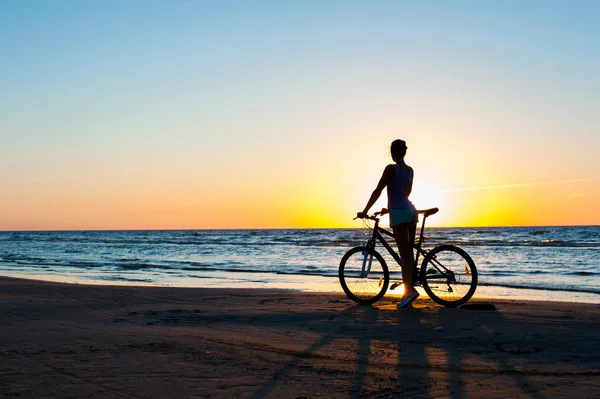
<point x="402" y="236"/>
<point x="413" y="230"/>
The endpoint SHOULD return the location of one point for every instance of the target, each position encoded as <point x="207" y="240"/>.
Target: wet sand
<point x="59" y="340"/>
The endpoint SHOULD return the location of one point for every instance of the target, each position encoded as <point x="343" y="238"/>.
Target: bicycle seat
<point x="429" y="212"/>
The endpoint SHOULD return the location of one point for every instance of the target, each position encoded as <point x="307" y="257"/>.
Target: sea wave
<point x="330" y="242"/>
<point x="546" y="287"/>
<point x="512" y="243"/>
<point x="584" y="273"/>
<point x="540" y="257"/>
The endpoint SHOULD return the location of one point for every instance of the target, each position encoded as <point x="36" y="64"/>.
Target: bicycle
<point x="448" y="274"/>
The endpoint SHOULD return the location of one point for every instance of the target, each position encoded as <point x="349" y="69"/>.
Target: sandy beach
<point x="74" y="341"/>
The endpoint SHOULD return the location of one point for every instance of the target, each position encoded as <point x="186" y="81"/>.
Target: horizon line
<point x="289" y="228"/>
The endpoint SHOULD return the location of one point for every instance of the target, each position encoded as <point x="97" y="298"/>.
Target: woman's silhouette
<point x="398" y="178"/>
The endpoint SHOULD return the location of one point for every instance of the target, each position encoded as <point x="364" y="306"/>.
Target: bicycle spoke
<point x="363" y="280"/>
<point x="454" y="277"/>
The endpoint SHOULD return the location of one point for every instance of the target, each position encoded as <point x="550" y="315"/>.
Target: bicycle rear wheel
<point x="448" y="275"/>
<point x="364" y="275"/>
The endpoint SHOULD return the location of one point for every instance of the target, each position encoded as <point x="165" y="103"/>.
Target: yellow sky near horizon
<point x="517" y="206"/>
<point x="328" y="195"/>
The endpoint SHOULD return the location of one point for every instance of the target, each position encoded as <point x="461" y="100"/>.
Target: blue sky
<point x="155" y="94"/>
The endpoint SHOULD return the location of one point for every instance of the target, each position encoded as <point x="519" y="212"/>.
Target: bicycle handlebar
<point x="384" y="211"/>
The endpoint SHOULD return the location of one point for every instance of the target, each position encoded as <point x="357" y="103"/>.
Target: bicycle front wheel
<point x="364" y="276"/>
<point x="448" y="275"/>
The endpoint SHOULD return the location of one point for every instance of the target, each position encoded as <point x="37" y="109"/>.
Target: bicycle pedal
<point x="395" y="285"/>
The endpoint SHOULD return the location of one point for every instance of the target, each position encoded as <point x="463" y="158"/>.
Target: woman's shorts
<point x="400" y="216"/>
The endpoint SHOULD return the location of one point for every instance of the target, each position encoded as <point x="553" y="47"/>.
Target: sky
<point x="268" y="114"/>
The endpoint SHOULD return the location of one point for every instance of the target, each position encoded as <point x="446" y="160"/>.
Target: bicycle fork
<point x="367" y="260"/>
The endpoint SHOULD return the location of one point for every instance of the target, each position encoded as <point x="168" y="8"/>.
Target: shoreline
<point x="70" y="340"/>
<point x="311" y="283"/>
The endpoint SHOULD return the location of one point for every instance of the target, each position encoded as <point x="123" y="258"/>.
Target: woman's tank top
<point x="397" y="189"/>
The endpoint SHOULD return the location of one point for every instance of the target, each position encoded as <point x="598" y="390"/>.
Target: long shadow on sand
<point x="416" y="336"/>
<point x="488" y="337"/>
<point x="366" y="327"/>
<point x="362" y="317"/>
<point x="425" y="352"/>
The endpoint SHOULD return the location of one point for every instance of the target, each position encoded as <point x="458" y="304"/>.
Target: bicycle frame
<point x="377" y="235"/>
<point x="440" y="272"/>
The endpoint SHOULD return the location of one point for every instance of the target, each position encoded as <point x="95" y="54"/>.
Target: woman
<point x="398" y="179"/>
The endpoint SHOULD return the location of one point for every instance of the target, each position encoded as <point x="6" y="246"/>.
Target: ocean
<point x="547" y="263"/>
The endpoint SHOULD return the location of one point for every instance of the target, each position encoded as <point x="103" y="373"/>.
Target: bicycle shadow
<point x="378" y="351"/>
<point x="373" y="334"/>
<point x="432" y="355"/>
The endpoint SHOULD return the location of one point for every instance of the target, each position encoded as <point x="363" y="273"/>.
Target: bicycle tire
<point x="444" y="288"/>
<point x="368" y="289"/>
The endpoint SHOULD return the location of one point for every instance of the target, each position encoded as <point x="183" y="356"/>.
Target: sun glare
<point x="425" y="195"/>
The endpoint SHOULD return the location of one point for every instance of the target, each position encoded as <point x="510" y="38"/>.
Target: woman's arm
<point x="388" y="174"/>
